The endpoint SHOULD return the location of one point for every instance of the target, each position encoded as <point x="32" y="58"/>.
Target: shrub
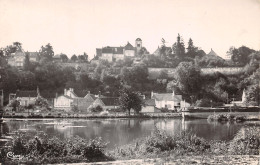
<point x="42" y="149"/>
<point x="246" y="142"/>
<point x="96" y="109"/>
<point x="240" y="118"/>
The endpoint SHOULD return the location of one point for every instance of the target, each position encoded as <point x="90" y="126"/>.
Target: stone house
<point x="119" y="53"/>
<point x="107" y="103"/>
<point x="149" y="107"/>
<point x="17" y="58"/>
<point x="70" y="99"/>
<point x="27" y="98"/>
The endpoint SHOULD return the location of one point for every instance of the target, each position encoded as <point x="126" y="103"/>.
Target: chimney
<point x="88" y="92"/>
<point x="71" y="89"/>
<point x="38" y="91"/>
<point x="151" y="94"/>
<point x="173" y="94"/>
<point x="65" y="91"/>
<point x="99" y="94"/>
<point x="144" y="97"/>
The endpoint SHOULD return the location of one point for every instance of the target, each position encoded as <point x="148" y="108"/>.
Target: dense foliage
<point x="110" y="78"/>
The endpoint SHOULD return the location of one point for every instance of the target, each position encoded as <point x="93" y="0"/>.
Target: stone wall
<point x="223" y="70"/>
<point x="155" y="72"/>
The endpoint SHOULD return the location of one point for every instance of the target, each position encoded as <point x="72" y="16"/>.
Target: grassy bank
<point x="41" y="149"/>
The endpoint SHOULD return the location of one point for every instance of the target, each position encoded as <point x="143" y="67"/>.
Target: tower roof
<point x="212" y="53"/>
<point x="138" y="39"/>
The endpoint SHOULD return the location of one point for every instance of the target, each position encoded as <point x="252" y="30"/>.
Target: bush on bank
<point x="226" y="117"/>
<point x="246" y="142"/>
<point x="41" y="149"/>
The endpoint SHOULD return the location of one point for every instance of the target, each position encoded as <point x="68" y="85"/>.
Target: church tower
<point x="138" y="44"/>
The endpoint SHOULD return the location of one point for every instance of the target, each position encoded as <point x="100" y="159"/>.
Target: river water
<point x="119" y="132"/>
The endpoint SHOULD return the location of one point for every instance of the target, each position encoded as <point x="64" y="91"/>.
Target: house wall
<point x="129" y="53"/>
<point x="223" y="70"/>
<point x="119" y="57"/>
<point x="33" y="59"/>
<point x="109" y="107"/>
<point x="149" y="109"/>
<point x="170" y="104"/>
<point x="19" y="60"/>
<point x="107" y="56"/>
<point x="25" y="101"/>
<point x="63" y="103"/>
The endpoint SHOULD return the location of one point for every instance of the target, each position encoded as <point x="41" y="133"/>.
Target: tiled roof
<point x="19" y="53"/>
<point x="108" y="50"/>
<point x="90" y="96"/>
<point x="33" y="54"/>
<point x="167" y="97"/>
<point x="68" y="97"/>
<point x="26" y="94"/>
<point x="113" y="50"/>
<point x="80" y="93"/>
<point x="129" y="46"/>
<point x="109" y="101"/>
<point x="47" y="94"/>
<point x="118" y="50"/>
<point x="98" y="52"/>
<point x="57" y="56"/>
<point x="150" y="102"/>
<point x="82" y="102"/>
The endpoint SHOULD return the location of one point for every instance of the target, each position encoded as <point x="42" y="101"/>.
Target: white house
<point x="65" y="102"/>
<point x="167" y="100"/>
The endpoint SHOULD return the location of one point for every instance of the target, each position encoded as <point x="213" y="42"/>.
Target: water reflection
<point x="123" y="131"/>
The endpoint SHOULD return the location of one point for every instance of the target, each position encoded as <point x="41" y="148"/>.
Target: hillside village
<point x="170" y="78"/>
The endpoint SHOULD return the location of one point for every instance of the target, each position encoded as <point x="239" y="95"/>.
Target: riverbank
<point x="222" y="159"/>
<point x="91" y="116"/>
<point x="184" y="148"/>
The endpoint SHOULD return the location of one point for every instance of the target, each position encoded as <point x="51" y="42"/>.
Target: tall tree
<point x="64" y="57"/>
<point x="130" y="100"/>
<point x="47" y="52"/>
<point x="27" y="62"/>
<point x="241" y="55"/>
<point x="178" y="47"/>
<point x="18" y="45"/>
<point x="191" y="49"/>
<point x="74" y="58"/>
<point x="188" y="78"/>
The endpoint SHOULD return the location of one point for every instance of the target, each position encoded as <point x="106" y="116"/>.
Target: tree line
<point x="198" y="89"/>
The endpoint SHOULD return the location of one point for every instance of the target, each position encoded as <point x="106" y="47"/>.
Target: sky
<point x="77" y="26"/>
